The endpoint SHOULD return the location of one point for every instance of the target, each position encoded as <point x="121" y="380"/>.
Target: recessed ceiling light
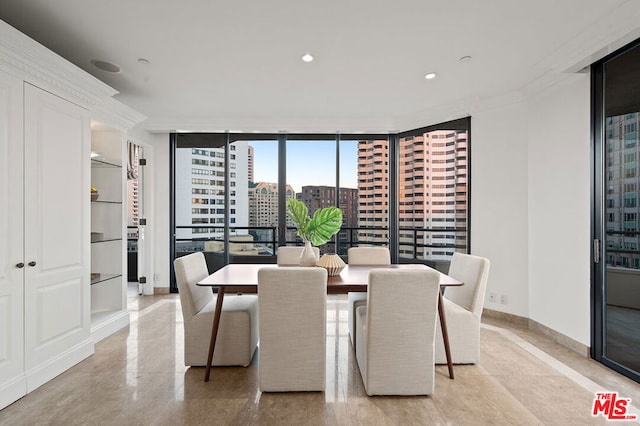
<point x="307" y="57"/>
<point x="430" y="76"/>
<point x="105" y="66"/>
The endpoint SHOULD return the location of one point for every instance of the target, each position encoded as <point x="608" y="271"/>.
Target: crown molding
<point x="114" y="113"/>
<point x="604" y="36"/>
<point x="270" y="124"/>
<point x="31" y="61"/>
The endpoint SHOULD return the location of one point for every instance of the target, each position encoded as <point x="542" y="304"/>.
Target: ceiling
<point x="236" y="65"/>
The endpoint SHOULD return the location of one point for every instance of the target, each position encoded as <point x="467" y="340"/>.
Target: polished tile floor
<point x="137" y="377"/>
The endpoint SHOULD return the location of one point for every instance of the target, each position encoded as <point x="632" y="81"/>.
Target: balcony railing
<point x="620" y="255"/>
<point x="414" y="243"/>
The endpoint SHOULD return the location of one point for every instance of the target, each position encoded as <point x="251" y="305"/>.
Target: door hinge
<point x="142" y="161"/>
<point x="596" y="250"/>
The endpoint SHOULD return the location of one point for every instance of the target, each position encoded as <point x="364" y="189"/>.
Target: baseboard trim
<point x="42" y="373"/>
<point x="12" y="390"/>
<point x="530" y="324"/>
<point x="161" y="290"/>
<point x="503" y="316"/>
<point x="110" y="325"/>
<point x="561" y="339"/>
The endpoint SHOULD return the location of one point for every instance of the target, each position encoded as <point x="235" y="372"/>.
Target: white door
<point x="57" y="216"/>
<point x="12" y="379"/>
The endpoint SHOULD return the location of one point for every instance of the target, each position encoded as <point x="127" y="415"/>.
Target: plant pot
<point x="332" y="263"/>
<point x="308" y="255"/>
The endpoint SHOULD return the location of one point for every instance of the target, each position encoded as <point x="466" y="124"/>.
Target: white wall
<point x="530" y="205"/>
<point x="559" y="207"/>
<point x="499" y="202"/>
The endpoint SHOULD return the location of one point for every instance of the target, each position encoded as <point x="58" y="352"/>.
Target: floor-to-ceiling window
<point x="433" y="191"/>
<point x="229" y="192"/>
<point x="616" y="276"/>
<point x="253" y="217"/>
<point x="311" y="175"/>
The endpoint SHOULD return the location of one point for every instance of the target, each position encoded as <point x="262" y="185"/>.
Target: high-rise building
<point x="250" y="158"/>
<point x="263" y="208"/>
<point x="622" y="189"/>
<point x="319" y="197"/>
<point x="432" y="193"/>
<point x="133" y="171"/>
<point x="199" y="191"/>
<point x="373" y="191"/>
<point x="432" y="207"/>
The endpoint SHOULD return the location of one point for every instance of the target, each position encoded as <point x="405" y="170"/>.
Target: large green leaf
<point x="299" y="213"/>
<point x="324" y="225"/>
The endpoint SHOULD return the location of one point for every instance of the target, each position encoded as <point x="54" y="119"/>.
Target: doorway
<point x="616" y="214"/>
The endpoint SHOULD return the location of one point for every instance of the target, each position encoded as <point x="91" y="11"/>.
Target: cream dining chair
<point x="396" y="332"/>
<point x="362" y="256"/>
<point x="463" y="309"/>
<point x="238" y="331"/>
<point x="293" y="316"/>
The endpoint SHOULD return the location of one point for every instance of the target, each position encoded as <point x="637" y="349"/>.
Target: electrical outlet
<point x="492" y="297"/>
<point x="503" y="299"/>
<point x="156" y="277"/>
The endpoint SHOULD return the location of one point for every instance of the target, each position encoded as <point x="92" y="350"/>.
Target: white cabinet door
<point x="12" y="379"/>
<point x="57" y="257"/>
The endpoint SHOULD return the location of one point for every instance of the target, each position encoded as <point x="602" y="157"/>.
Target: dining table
<point x="243" y="278"/>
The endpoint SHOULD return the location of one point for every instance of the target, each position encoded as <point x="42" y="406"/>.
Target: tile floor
<point x="137" y="377"/>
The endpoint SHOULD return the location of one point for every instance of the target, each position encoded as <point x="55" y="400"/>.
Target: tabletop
<point x="352" y="278"/>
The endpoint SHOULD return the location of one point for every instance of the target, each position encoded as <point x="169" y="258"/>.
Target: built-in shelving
<point x="97" y="277"/>
<point x="108" y="234"/>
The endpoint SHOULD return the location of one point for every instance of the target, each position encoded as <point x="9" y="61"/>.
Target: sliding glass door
<point x="616" y="279"/>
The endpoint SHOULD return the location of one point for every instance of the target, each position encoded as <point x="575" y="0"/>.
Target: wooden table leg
<point x="445" y="334"/>
<point x="214" y="331"/>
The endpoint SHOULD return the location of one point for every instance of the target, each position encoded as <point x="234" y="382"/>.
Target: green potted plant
<point x="316" y="230"/>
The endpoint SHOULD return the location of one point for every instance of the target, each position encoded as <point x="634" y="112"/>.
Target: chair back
<point x="292" y="307"/>
<point x="473" y="271"/>
<point x="290" y="255"/>
<point x="189" y="270"/>
<point x="400" y="331"/>
<point x="369" y="256"/>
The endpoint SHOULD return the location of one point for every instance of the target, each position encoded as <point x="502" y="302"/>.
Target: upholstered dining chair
<point x="238" y="331"/>
<point x="396" y="332"/>
<point x="293" y="313"/>
<point x="290" y="255"/>
<point x="463" y="309"/>
<point x="362" y="256"/>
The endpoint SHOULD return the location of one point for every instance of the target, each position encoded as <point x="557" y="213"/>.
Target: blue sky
<point x="308" y="163"/>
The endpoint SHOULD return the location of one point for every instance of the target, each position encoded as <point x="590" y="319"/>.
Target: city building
<point x="319" y="197"/>
<point x="433" y="194"/>
<point x="199" y="189"/>
<point x="250" y="157"/>
<point x="263" y="209"/>
<point x="622" y="191"/>
<point x="373" y="192"/>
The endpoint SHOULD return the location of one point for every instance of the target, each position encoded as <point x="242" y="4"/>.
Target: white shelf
<point x="108" y="235"/>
